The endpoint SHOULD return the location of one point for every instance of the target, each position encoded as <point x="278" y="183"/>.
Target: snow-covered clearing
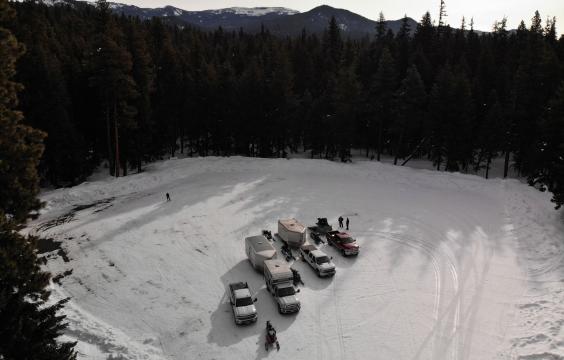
<point x="451" y="266"/>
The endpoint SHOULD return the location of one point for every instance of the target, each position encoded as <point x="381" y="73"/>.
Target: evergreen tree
<point x="30" y="327"/>
<point x="139" y="144"/>
<point x="111" y="77"/>
<point x="346" y="111"/>
<point x="450" y="121"/>
<point x="491" y="131"/>
<point x="550" y="31"/>
<point x="536" y="25"/>
<point x="403" y="39"/>
<point x="21" y="146"/>
<point x="381" y="27"/>
<point x="168" y="87"/>
<point x="410" y="101"/>
<point x="442" y="15"/>
<point x="549" y="150"/>
<point x="47" y="103"/>
<point x="333" y="45"/>
<point x="383" y="88"/>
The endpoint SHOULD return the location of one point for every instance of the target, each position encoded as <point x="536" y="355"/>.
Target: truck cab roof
<point x="342" y="235"/>
<point x="308" y="248"/>
<point x="318" y="253"/>
<point x="242" y="293"/>
<point x="284" y="285"/>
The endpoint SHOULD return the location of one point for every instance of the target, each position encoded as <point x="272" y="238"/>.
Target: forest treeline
<point x="126" y="91"/>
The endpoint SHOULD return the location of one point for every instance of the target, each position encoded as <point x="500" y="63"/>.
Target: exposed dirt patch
<point x="69" y="216"/>
<point x="48" y="245"/>
<point x="57" y="279"/>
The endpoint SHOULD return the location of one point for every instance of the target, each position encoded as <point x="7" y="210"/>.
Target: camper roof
<point x="292" y="225"/>
<point x="278" y="269"/>
<point x="260" y="243"/>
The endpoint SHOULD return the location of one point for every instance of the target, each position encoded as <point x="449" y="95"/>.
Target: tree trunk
<point x="488" y="165"/>
<point x="479" y="161"/>
<point x="414" y="151"/>
<point x="109" y="142"/>
<point x="380" y="126"/>
<point x="116" y="139"/>
<point x="400" y="140"/>
<point x="506" y="165"/>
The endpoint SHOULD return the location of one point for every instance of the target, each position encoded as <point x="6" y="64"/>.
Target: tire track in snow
<point x="413" y="242"/>
<point x="339" y="322"/>
<point x="431" y="251"/>
<point x="451" y="315"/>
<point x="456" y="320"/>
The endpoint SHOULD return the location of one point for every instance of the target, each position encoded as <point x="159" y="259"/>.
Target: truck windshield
<point x="347" y="240"/>
<point x="322" y="260"/>
<point x="244" y="302"/>
<point x="287" y="291"/>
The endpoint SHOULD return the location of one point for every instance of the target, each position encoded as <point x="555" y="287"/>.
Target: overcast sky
<point x="484" y="12"/>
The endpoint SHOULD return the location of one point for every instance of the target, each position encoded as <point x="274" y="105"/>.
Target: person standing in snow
<point x="297" y="277"/>
<point x="340" y="221"/>
<point x="347" y="223"/>
<point x="167" y="197"/>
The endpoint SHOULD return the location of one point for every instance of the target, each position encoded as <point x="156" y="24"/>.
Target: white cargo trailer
<point x="259" y="249"/>
<point x="292" y="232"/>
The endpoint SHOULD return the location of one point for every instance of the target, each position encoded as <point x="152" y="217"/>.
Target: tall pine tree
<point x="30" y="327"/>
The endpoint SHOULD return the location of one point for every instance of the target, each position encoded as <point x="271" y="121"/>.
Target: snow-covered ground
<point x="451" y="266"/>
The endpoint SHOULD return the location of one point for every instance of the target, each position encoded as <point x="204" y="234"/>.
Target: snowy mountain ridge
<point x="278" y="20"/>
<point x="256" y="11"/>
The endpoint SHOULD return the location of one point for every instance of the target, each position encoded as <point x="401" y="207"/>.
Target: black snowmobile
<point x="267" y="234"/>
<point x="287" y="253"/>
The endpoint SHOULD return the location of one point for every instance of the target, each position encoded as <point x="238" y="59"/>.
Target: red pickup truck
<point x="342" y="241"/>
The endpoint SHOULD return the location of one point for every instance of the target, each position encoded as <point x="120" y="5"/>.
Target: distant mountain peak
<point x="256" y="11"/>
<point x="278" y="20"/>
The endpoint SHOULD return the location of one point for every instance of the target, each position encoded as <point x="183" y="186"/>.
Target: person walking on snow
<point x="167" y="197"/>
<point x="340" y="221"/>
<point x="297" y="277"/>
<point x="347" y="223"/>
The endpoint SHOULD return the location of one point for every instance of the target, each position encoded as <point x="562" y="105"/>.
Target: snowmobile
<point x="267" y="234"/>
<point x="287" y="253"/>
<point x="316" y="237"/>
<point x="271" y="338"/>
<point x="321" y="226"/>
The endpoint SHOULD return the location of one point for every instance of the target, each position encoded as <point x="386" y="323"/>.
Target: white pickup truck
<point x="318" y="260"/>
<point x="242" y="304"/>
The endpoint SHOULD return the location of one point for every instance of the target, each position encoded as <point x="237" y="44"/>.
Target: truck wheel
<point x="280" y="309"/>
<point x="318" y="272"/>
<point x="343" y="252"/>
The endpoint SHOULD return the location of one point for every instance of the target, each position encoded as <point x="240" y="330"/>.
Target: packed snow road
<point x="451" y="266"/>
